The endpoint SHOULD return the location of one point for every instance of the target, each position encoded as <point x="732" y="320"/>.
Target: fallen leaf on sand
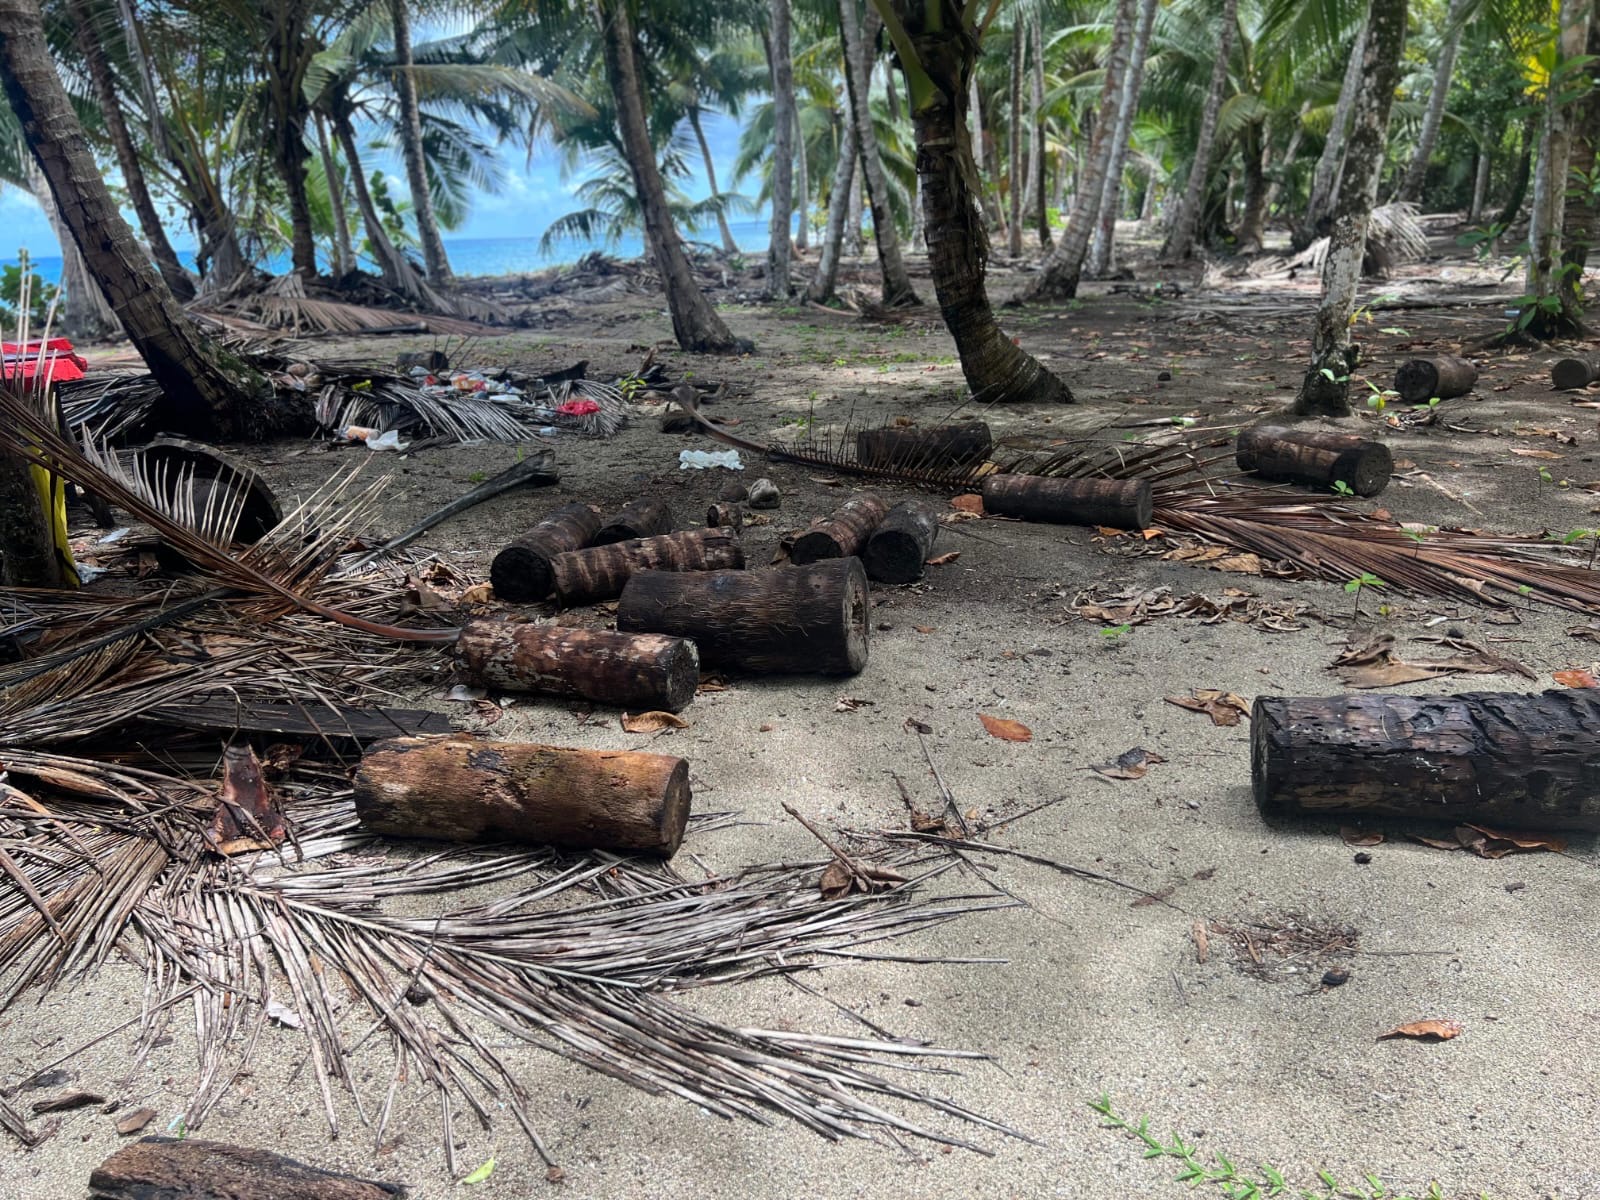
<point x="1576" y="678"/>
<point x="1217" y="558"/>
<point x="1524" y="453"/>
<point x="1130" y="764"/>
<point x="1224" y="708"/>
<point x="925" y="628"/>
<point x="913" y="725"/>
<point x="1494" y="843"/>
<point x="1426" y="1031"/>
<point x="944" y="560"/>
<point x="1372" y="663"/>
<point x="836" y="880"/>
<point x="969" y="503"/>
<point x="652" y="722"/>
<point x="1202" y="941"/>
<point x="1156" y="897"/>
<point x="1360" y="837"/>
<point x="1005" y="730"/>
<point x="135" y="1121"/>
<point x="481" y="593"/>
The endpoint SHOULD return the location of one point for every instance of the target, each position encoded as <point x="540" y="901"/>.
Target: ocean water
<point x="494" y="256"/>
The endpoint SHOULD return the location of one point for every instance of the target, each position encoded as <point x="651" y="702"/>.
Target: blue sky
<point x="535" y="195"/>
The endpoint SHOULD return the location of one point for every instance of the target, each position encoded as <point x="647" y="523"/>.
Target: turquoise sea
<point x="494" y="256"/>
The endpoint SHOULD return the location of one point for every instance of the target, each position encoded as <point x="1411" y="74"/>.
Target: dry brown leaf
<point x="1130" y="764"/>
<point x="479" y="593"/>
<point x="1202" y="941"/>
<point x="1426" y="1031"/>
<point x="1006" y="730"/>
<point x="1360" y="837"/>
<point x="1224" y="708"/>
<point x="925" y="628"/>
<point x="837" y="880"/>
<point x="1372" y="663"/>
<point x="1575" y="678"/>
<point x="912" y="725"/>
<point x="971" y="502"/>
<point x="1510" y="841"/>
<point x="850" y="704"/>
<point x="944" y="560"/>
<point x="1525" y="453"/>
<point x="652" y="722"/>
<point x="1436" y="843"/>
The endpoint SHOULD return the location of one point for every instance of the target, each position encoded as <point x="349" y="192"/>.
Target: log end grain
<point x="1572" y="373"/>
<point x="1366" y="470"/>
<point x="520" y="575"/>
<point x="897" y="551"/>
<point x="1417" y="381"/>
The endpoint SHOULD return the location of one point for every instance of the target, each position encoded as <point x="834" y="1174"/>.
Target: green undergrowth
<point x="1232" y="1181"/>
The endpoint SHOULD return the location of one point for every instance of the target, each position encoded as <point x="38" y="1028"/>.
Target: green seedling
<point x="1544" y="478"/>
<point x="1364" y="580"/>
<point x="1578" y="535"/>
<point x="476" y="477"/>
<point x="1113" y="633"/>
<point x="1341" y="488"/>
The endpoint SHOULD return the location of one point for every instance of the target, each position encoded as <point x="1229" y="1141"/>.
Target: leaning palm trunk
<point x="1417" y="170"/>
<point x="1014" y="175"/>
<point x="397" y="272"/>
<point x="938" y="62"/>
<point x="858" y="57"/>
<point x="1186" y="226"/>
<point x="1063" y="266"/>
<point x="289" y="53"/>
<point x="86" y="316"/>
<point x="729" y="246"/>
<point x="201" y="390"/>
<point x="695" y="323"/>
<point x="1328" y="162"/>
<point x="344" y="256"/>
<point x="1546" y="314"/>
<point x="433" y="255"/>
<point x="1326" y="389"/>
<point x="105" y="90"/>
<point x="844" y="171"/>
<point x="778" y="243"/>
<point x="1102" y="251"/>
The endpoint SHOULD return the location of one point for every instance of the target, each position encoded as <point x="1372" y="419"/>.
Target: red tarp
<point x="58" y="362"/>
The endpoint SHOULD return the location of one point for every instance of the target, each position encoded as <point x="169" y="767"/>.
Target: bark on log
<point x="843" y="533"/>
<point x="600" y="572"/>
<point x="627" y="670"/>
<point x="1571" y="373"/>
<point x="803" y="620"/>
<point x="898" y="550"/>
<point x="1315" y="458"/>
<point x="163" y="1168"/>
<point x="464" y="789"/>
<point x="1508" y="759"/>
<point x="941" y="446"/>
<point x="724" y="516"/>
<point x="640" y="518"/>
<point x="1118" y="503"/>
<point x="521" y="572"/>
<point x="1443" y="375"/>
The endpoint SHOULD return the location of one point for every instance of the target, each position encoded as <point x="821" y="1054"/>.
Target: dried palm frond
<point x="1394" y="235"/>
<point x="354" y="395"/>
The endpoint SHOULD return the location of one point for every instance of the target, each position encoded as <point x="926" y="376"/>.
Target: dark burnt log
<point x="1117" y="503"/>
<point x="521" y="572"/>
<point x="640" y="518"/>
<point x="1570" y="374"/>
<point x="725" y="515"/>
<point x="1315" y="458"/>
<point x="897" y="551"/>
<point x="600" y="572"/>
<point x="810" y="619"/>
<point x="940" y="446"/>
<point x="1419" y="380"/>
<point x="163" y="1168"/>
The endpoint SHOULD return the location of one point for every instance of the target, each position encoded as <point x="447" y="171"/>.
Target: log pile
<point x="1315" y="458"/>
<point x="521" y="572"/>
<point x="600" y="572"/>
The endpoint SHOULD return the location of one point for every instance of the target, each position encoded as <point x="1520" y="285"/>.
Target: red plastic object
<point x="578" y="408"/>
<point x="58" y="363"/>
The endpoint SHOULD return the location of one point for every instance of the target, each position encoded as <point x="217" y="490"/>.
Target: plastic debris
<point x="702" y="460"/>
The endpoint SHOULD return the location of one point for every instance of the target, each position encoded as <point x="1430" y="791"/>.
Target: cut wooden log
<point x="1509" y="759"/>
<point x="1315" y="458"/>
<point x="164" y="1168"/>
<point x="465" y="789"/>
<point x="628" y="670"/>
<point x="521" y="572"/>
<point x="940" y="446"/>
<point x="723" y="515"/>
<point x="640" y="518"/>
<point x="1118" y="503"/>
<point x="843" y="533"/>
<point x="897" y="551"/>
<point x="1419" y="380"/>
<point x="1571" y="373"/>
<point x="802" y="620"/>
<point x="600" y="572"/>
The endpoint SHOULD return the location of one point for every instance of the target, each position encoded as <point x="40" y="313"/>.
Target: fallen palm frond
<point x="1333" y="541"/>
<point x="282" y="303"/>
<point x="584" y="956"/>
<point x="353" y="394"/>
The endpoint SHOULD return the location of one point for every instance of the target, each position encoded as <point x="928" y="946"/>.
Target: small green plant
<point x="1113" y="633"/>
<point x="1378" y="398"/>
<point x="1364" y="580"/>
<point x="476" y="477"/>
<point x="1592" y="536"/>
<point x="1527" y="593"/>
<point x="1341" y="488"/>
<point x="1544" y="478"/>
<point x="1483" y="240"/>
<point x="1433" y="403"/>
<point x="1235" y="1182"/>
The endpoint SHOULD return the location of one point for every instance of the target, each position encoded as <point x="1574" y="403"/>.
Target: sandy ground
<point x="1095" y="994"/>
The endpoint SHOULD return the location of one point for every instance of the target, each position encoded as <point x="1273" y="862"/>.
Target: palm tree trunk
<point x="729" y="246"/>
<point x="1417" y="171"/>
<point x="1519" y="182"/>
<point x="1019" y="66"/>
<point x="85" y="315"/>
<point x="398" y="274"/>
<point x="1180" y="244"/>
<point x="27" y="549"/>
<point x="1063" y="267"/>
<point x="433" y="255"/>
<point x="105" y="89"/>
<point x="1332" y="156"/>
<point x="1036" y="170"/>
<point x="997" y="370"/>
<point x="852" y="231"/>
<point x="1480" y="185"/>
<point x="802" y="186"/>
<point x="343" y="252"/>
<point x="1326" y="388"/>
<point x="981" y="153"/>
<point x="782" y="189"/>
<point x="695" y="323"/>
<point x="289" y="53"/>
<point x="1545" y="227"/>
<point x="844" y="171"/>
<point x="1276" y="184"/>
<point x="1252" y="225"/>
<point x="859" y="53"/>
<point x="201" y="388"/>
<point x="1102" y="251"/>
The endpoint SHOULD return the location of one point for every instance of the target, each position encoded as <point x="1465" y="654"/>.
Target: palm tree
<point x="783" y="119"/>
<point x="410" y="127"/>
<point x="1102" y="247"/>
<point x="937" y="44"/>
<point x="1180" y="243"/>
<point x="1417" y="172"/>
<point x="1326" y="388"/>
<point x="197" y="380"/>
